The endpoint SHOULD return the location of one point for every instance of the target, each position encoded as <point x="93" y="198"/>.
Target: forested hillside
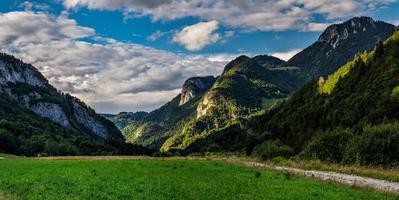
<point x="352" y="117"/>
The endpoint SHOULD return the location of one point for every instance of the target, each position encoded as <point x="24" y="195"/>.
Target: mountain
<point x="249" y="86"/>
<point x="36" y="118"/>
<point x="351" y="117"/>
<point x="338" y="44"/>
<point x="246" y="85"/>
<point x="152" y="129"/>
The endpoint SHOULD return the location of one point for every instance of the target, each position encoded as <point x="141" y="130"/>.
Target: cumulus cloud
<point x="109" y="75"/>
<point x="264" y="15"/>
<point x="286" y="55"/>
<point x="197" y="36"/>
<point x="18" y="28"/>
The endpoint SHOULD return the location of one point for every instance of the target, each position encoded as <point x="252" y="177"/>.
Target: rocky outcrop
<point x="204" y="106"/>
<point x="334" y="34"/>
<point x="85" y="119"/>
<point x="195" y="86"/>
<point x="20" y="73"/>
<point x="52" y="111"/>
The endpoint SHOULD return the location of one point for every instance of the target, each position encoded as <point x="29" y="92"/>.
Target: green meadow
<point x="160" y="179"/>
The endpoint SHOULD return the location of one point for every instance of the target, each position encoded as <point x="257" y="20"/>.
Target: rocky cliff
<point x="194" y="87"/>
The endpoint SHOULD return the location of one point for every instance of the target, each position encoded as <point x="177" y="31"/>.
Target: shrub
<point x="377" y="145"/>
<point x="328" y="146"/>
<point x="273" y="148"/>
<point x="257" y="174"/>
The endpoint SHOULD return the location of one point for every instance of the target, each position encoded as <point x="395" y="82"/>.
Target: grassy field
<point x="160" y="179"/>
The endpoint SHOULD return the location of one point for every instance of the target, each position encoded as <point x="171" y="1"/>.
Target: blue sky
<point x="128" y="55"/>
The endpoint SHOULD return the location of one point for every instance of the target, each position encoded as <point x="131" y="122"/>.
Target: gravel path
<point x="359" y="181"/>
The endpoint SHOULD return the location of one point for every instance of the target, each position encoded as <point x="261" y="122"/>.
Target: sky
<point x="133" y="55"/>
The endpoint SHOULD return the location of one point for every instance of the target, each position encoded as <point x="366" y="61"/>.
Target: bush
<point x="328" y="146"/>
<point x="273" y="148"/>
<point x="377" y="145"/>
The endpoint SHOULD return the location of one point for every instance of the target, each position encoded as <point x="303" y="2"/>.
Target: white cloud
<point x="110" y="76"/>
<point x="156" y="35"/>
<point x="114" y="4"/>
<point x="395" y="22"/>
<point x="27" y="5"/>
<point x="197" y="36"/>
<point x="25" y="27"/>
<point x="264" y="15"/>
<point x="286" y="55"/>
<point x="316" y="27"/>
<point x="222" y="57"/>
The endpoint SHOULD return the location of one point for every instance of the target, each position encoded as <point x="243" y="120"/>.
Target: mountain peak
<point x="236" y="61"/>
<point x="268" y="61"/>
<point x="338" y="32"/>
<point x="338" y="44"/>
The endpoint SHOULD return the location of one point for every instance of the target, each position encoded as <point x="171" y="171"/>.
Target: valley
<point x="199" y="99"/>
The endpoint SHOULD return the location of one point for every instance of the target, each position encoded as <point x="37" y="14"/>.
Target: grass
<point x="160" y="179"/>
<point x="8" y="156"/>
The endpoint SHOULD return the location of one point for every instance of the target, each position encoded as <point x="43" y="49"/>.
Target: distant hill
<point x="37" y="119"/>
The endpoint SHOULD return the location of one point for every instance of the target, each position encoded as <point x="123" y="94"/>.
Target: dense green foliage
<point x="273" y="148"/>
<point x="160" y="179"/>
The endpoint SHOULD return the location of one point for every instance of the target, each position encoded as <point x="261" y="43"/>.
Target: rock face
<point x="88" y="121"/>
<point x="19" y="72"/>
<point x="338" y="44"/>
<point x="194" y="87"/>
<point x="25" y="84"/>
<point x="52" y="111"/>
